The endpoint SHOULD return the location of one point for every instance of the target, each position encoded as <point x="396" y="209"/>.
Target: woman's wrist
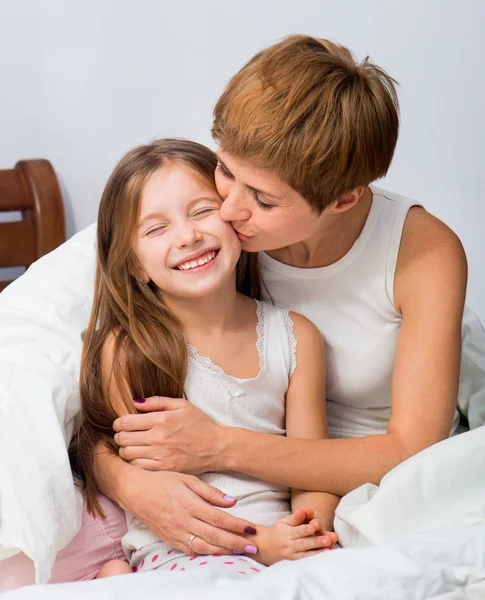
<point x="114" y="476"/>
<point x="229" y="456"/>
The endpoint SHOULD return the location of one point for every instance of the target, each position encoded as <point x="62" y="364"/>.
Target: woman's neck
<point x="332" y="240"/>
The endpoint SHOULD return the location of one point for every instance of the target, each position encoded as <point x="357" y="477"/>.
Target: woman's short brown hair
<point x="307" y="110"/>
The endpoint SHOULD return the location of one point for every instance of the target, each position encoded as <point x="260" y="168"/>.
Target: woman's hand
<point x="174" y="435"/>
<point x="176" y="507"/>
<point x="291" y="538"/>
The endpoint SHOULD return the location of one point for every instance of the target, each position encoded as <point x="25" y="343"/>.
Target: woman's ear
<point x="346" y="201"/>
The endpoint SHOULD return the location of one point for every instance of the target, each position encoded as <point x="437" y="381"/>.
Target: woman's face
<point x="265" y="212"/>
<point x="181" y="243"/>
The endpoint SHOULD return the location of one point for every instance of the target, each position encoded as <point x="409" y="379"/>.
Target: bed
<point x="30" y="189"/>
<point x="420" y="535"/>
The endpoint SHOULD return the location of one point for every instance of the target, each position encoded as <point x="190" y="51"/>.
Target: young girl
<point x="167" y="319"/>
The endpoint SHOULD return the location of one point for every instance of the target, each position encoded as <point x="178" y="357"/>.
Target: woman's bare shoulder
<point x="431" y="254"/>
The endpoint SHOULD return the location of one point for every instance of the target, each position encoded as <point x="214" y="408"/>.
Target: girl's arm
<point x="290" y="538"/>
<point x="429" y="291"/>
<point x="306" y="416"/>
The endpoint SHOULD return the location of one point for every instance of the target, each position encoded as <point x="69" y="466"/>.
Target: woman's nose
<point x="234" y="209"/>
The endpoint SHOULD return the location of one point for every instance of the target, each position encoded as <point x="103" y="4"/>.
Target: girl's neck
<point x="213" y="314"/>
<point x="331" y="242"/>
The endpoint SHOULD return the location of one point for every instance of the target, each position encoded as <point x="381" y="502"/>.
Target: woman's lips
<point x="243" y="237"/>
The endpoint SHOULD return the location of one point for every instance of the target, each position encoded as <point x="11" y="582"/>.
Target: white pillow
<point x="42" y="315"/>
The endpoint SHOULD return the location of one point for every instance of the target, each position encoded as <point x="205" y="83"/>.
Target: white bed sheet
<point x="448" y="564"/>
<point x="420" y="535"/>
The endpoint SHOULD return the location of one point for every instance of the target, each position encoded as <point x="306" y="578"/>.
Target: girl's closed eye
<point x="157" y="229"/>
<point x="205" y="211"/>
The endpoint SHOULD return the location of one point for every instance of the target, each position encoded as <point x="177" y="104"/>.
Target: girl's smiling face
<point x="182" y="244"/>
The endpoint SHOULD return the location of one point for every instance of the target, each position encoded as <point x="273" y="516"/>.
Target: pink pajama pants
<point x="97" y="542"/>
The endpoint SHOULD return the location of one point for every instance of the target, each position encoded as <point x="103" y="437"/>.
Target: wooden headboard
<point x="32" y="189"/>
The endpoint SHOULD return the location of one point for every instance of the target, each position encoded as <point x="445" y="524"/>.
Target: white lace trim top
<point x="257" y="403"/>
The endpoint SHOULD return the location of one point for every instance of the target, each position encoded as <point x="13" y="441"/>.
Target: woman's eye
<point x="223" y="171"/>
<point x="262" y="205"/>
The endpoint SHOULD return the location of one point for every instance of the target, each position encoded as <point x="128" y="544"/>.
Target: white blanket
<point x="421" y="535"/>
<point x="448" y="564"/>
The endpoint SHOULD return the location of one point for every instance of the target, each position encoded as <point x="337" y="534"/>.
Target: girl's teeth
<point x="198" y="263"/>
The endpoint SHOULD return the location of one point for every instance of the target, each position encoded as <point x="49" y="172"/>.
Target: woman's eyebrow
<point x="250" y="187"/>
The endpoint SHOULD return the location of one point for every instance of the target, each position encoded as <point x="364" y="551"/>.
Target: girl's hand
<point x="307" y="515"/>
<point x="291" y="538"/>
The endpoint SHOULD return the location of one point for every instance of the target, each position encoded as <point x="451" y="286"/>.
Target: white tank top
<point x="257" y="403"/>
<point x="352" y="303"/>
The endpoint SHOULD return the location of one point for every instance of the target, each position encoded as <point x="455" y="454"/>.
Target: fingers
<point x="307" y="544"/>
<point x="210" y="494"/>
<point x="132" y="438"/>
<point x="215" y="517"/>
<point x="131" y="453"/>
<point x="200" y="546"/>
<point x="158" y="403"/>
<point x="295" y="519"/>
<point x="220" y="538"/>
<point x="309" y="513"/>
<point x="331" y="535"/>
<point x="135" y="422"/>
<point x="306" y="530"/>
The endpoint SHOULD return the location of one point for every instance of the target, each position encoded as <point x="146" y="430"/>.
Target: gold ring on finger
<point x="192" y="538"/>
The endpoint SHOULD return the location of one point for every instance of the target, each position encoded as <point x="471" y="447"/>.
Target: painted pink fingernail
<point x="139" y="400"/>
<point x="250" y="530"/>
<point x="250" y="549"/>
<point x="229" y="498"/>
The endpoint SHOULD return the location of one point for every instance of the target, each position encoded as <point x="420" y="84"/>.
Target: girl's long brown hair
<point x="154" y="354"/>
